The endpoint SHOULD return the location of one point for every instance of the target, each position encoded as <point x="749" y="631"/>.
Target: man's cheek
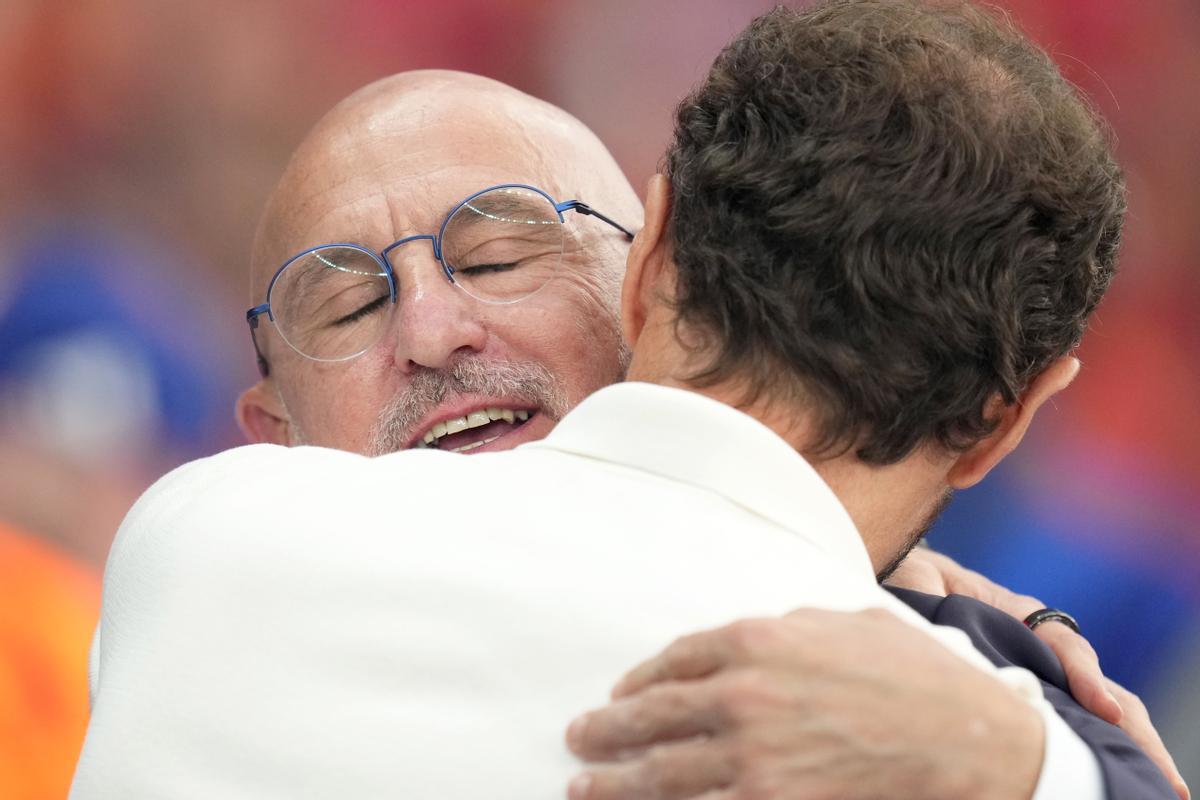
<point x="334" y="416"/>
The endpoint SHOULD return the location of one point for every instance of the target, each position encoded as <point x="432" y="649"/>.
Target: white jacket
<point x="295" y="623"/>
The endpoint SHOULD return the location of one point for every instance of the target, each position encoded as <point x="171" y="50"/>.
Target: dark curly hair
<point x="891" y="211"/>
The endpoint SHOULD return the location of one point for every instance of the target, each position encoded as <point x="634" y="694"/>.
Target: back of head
<point x="891" y="211"/>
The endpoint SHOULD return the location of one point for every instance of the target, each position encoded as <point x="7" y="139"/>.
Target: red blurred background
<point x="139" y="139"/>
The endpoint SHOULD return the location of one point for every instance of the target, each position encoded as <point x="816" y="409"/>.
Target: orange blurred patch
<point x="48" y="608"/>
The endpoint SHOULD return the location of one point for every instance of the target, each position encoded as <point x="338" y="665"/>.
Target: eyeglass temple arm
<point x="264" y="369"/>
<point x="585" y="209"/>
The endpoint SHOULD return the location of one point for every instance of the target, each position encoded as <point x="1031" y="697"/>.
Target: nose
<point x="434" y="320"/>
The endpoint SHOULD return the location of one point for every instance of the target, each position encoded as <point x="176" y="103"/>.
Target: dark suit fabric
<point x="1128" y="773"/>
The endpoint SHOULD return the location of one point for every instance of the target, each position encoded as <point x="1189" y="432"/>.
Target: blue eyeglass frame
<point x="381" y="258"/>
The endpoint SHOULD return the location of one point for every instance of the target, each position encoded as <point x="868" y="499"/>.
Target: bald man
<point x="433" y="337"/>
<point x="391" y="162"/>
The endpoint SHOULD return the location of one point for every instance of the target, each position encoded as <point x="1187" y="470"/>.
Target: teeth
<point x="476" y="419"/>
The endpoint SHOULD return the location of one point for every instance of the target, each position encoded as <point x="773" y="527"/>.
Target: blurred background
<point x="139" y="139"/>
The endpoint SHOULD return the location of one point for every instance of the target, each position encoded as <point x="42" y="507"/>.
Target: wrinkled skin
<point x="390" y="162"/>
<point x="767" y="708"/>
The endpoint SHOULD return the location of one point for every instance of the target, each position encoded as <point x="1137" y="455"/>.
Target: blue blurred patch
<point x="81" y="284"/>
<point x="1132" y="614"/>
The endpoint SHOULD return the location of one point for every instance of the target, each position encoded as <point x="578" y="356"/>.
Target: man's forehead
<point x="392" y="159"/>
<point x="396" y="180"/>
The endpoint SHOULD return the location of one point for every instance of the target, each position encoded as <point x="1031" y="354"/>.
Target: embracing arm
<point x="806" y="706"/>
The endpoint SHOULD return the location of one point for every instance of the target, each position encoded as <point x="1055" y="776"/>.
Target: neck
<point x="891" y="506"/>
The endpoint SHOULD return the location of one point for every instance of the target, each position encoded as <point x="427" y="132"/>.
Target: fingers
<point x="919" y="572"/>
<point x="1076" y="654"/>
<point x="968" y="582"/>
<point x="687" y="658"/>
<point x="696" y="656"/>
<point x="1099" y="695"/>
<point x="1082" y="665"/>
<point x="747" y="641"/>
<point x="1137" y="725"/>
<point x="1079" y="660"/>
<point x="700" y="768"/>
<point x="1018" y="606"/>
<point x="661" y="713"/>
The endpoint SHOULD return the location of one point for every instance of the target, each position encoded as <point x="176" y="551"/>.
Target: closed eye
<point x="483" y="269"/>
<point x="369" y="308"/>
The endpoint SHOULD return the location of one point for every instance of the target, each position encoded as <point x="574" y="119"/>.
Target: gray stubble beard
<point x="525" y="382"/>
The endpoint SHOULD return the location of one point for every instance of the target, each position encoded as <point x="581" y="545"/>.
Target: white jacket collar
<point x="686" y="437"/>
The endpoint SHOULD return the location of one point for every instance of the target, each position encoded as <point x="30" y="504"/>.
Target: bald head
<point x="375" y="167"/>
<point x="391" y="162"/>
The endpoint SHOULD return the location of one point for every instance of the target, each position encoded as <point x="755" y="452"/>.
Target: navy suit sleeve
<point x="1128" y="773"/>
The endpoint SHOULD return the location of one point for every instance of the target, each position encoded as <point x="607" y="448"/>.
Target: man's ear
<point x="971" y="467"/>
<point x="262" y="417"/>
<point x="647" y="256"/>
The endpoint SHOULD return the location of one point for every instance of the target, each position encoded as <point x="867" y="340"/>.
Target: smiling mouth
<point x="480" y="427"/>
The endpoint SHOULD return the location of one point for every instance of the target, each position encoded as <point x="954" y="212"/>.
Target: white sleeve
<point x="1069" y="767"/>
<point x="93" y="666"/>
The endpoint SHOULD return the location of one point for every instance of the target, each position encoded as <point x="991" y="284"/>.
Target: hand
<point x="818" y="704"/>
<point x="933" y="573"/>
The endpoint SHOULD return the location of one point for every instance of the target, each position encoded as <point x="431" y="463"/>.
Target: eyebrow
<point x="506" y="206"/>
<point x="310" y="278"/>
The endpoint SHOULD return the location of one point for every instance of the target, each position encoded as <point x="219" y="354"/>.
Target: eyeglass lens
<point x="499" y="247"/>
<point x="503" y="245"/>
<point x="331" y="303"/>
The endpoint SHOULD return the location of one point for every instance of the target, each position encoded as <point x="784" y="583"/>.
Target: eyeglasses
<point x="500" y="245"/>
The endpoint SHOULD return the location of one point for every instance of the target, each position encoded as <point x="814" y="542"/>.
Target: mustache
<point x="523" y="381"/>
